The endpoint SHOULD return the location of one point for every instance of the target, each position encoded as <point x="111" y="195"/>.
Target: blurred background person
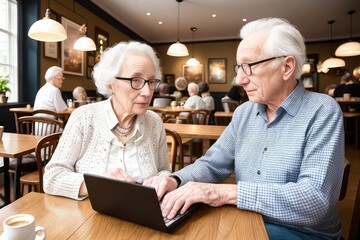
<point x="194" y="101"/>
<point x="208" y="100"/>
<point x="79" y="94"/>
<point x="49" y="95"/>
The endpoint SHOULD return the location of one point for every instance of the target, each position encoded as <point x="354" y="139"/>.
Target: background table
<point x="65" y="218"/>
<point x="14" y="145"/>
<point x="196" y="131"/>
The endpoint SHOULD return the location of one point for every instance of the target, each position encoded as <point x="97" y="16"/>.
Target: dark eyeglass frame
<point x="237" y="66"/>
<point x="157" y="82"/>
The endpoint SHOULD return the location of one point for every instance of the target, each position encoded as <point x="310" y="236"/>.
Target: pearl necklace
<point x="122" y="131"/>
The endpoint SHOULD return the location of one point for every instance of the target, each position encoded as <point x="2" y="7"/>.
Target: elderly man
<point x="285" y="145"/>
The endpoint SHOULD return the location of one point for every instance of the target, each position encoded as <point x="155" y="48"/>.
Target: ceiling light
<point x="193" y="61"/>
<point x="47" y="29"/>
<point x="350" y="48"/>
<point x="178" y="49"/>
<point x="332" y="62"/>
<point x="84" y="43"/>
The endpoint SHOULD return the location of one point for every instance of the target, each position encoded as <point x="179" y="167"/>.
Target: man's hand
<point x="193" y="192"/>
<point x="162" y="184"/>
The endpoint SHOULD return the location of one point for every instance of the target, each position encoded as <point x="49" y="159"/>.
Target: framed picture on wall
<point x="51" y="49"/>
<point x="169" y="79"/>
<point x="101" y="42"/>
<point x="193" y="73"/>
<point x="72" y="61"/>
<point x="217" y="70"/>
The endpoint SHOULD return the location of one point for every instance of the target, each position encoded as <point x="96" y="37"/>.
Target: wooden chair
<point x="176" y="149"/>
<point x="43" y="153"/>
<point x="345" y="179"/>
<point x="33" y="125"/>
<point x="354" y="233"/>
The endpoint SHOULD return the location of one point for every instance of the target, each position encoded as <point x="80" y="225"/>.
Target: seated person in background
<point x="49" y="96"/>
<point x="194" y="101"/>
<point x="95" y="135"/>
<point x="347" y="85"/>
<point x="285" y="145"/>
<point x="208" y="100"/>
<point x="79" y="94"/>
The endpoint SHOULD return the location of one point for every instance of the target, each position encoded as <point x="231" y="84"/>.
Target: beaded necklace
<point x="122" y="131"/>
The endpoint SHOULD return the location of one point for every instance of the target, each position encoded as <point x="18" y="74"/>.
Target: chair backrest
<point x="354" y="233"/>
<point x="344" y="183"/>
<point x="46" y="113"/>
<point x="201" y="116"/>
<point x="39" y="126"/>
<point x="176" y="149"/>
<point x="44" y="150"/>
<point x="229" y="105"/>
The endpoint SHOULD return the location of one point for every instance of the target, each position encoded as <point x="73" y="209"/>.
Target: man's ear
<point x="289" y="67"/>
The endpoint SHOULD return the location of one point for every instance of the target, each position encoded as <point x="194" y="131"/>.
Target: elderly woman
<point x="49" y="96"/>
<point x="79" y="94"/>
<point x="118" y="137"/>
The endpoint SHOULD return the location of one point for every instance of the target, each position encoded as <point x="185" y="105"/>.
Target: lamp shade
<point x="84" y="43"/>
<point x="348" y="49"/>
<point x="333" y="63"/>
<point x="192" y="62"/>
<point x="47" y="30"/>
<point x="178" y="50"/>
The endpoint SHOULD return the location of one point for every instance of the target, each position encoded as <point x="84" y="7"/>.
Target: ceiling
<point x="310" y="16"/>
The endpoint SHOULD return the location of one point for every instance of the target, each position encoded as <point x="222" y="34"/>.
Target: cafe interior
<point x="195" y="41"/>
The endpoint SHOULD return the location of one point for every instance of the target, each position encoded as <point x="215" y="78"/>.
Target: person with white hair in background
<point x="194" y="101"/>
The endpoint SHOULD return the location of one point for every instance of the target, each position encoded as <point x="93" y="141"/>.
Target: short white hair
<point x="283" y="39"/>
<point x="112" y="61"/>
<point x="52" y="72"/>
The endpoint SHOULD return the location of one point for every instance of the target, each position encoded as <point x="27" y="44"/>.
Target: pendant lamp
<point x="84" y="43"/>
<point x="350" y="48"/>
<point x="47" y="29"/>
<point x="332" y="62"/>
<point x="178" y="49"/>
<point x="193" y="61"/>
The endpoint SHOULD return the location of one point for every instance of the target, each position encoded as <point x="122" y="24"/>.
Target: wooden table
<point x="196" y="131"/>
<point x="65" y="218"/>
<point x="223" y="118"/>
<point x="174" y="111"/>
<point x="14" y="145"/>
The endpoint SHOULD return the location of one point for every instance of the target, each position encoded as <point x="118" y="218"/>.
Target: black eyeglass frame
<point x="237" y="66"/>
<point x="157" y="81"/>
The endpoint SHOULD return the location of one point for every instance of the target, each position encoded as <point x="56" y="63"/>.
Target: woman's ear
<point x="289" y="67"/>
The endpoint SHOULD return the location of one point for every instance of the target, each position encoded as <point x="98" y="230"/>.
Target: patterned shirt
<point x="289" y="170"/>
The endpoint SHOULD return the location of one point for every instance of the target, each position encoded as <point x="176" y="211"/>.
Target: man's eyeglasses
<point x="138" y="83"/>
<point x="246" y="67"/>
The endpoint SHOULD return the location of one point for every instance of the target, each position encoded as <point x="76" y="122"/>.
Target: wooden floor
<point x="345" y="206"/>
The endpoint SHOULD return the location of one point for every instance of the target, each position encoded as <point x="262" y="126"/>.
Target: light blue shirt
<point x="289" y="170"/>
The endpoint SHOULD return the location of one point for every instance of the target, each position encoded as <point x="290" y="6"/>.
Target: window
<point x="8" y="45"/>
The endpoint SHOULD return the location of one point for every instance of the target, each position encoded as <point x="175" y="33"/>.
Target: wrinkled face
<point x="80" y="96"/>
<point x="266" y="82"/>
<point x="58" y="80"/>
<point x="126" y="99"/>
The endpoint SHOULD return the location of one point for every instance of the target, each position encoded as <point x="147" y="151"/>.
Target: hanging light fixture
<point x="178" y="49"/>
<point x="47" y="29"/>
<point x="332" y="62"/>
<point x="193" y="61"/>
<point x="350" y="48"/>
<point x="84" y="43"/>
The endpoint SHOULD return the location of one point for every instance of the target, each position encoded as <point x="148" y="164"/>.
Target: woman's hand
<point x="119" y="174"/>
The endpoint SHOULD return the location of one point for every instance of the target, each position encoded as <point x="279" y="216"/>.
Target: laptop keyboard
<point x="168" y="222"/>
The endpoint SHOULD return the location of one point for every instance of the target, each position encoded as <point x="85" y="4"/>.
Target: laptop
<point x="132" y="202"/>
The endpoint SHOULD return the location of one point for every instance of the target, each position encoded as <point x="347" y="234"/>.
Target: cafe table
<point x="65" y="218"/>
<point x="196" y="131"/>
<point x="14" y="145"/>
<point x="174" y="111"/>
<point x="223" y="118"/>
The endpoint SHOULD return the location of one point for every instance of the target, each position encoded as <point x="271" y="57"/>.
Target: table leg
<point x="6" y="181"/>
<point x="17" y="178"/>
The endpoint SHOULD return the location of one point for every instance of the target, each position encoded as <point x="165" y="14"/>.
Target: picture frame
<point x="217" y="70"/>
<point x="193" y="73"/>
<point x="90" y="64"/>
<point x="72" y="61"/>
<point x="51" y="49"/>
<point x="101" y="42"/>
<point x="169" y="79"/>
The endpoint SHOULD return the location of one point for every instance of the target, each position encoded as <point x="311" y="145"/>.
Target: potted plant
<point x="4" y="87"/>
